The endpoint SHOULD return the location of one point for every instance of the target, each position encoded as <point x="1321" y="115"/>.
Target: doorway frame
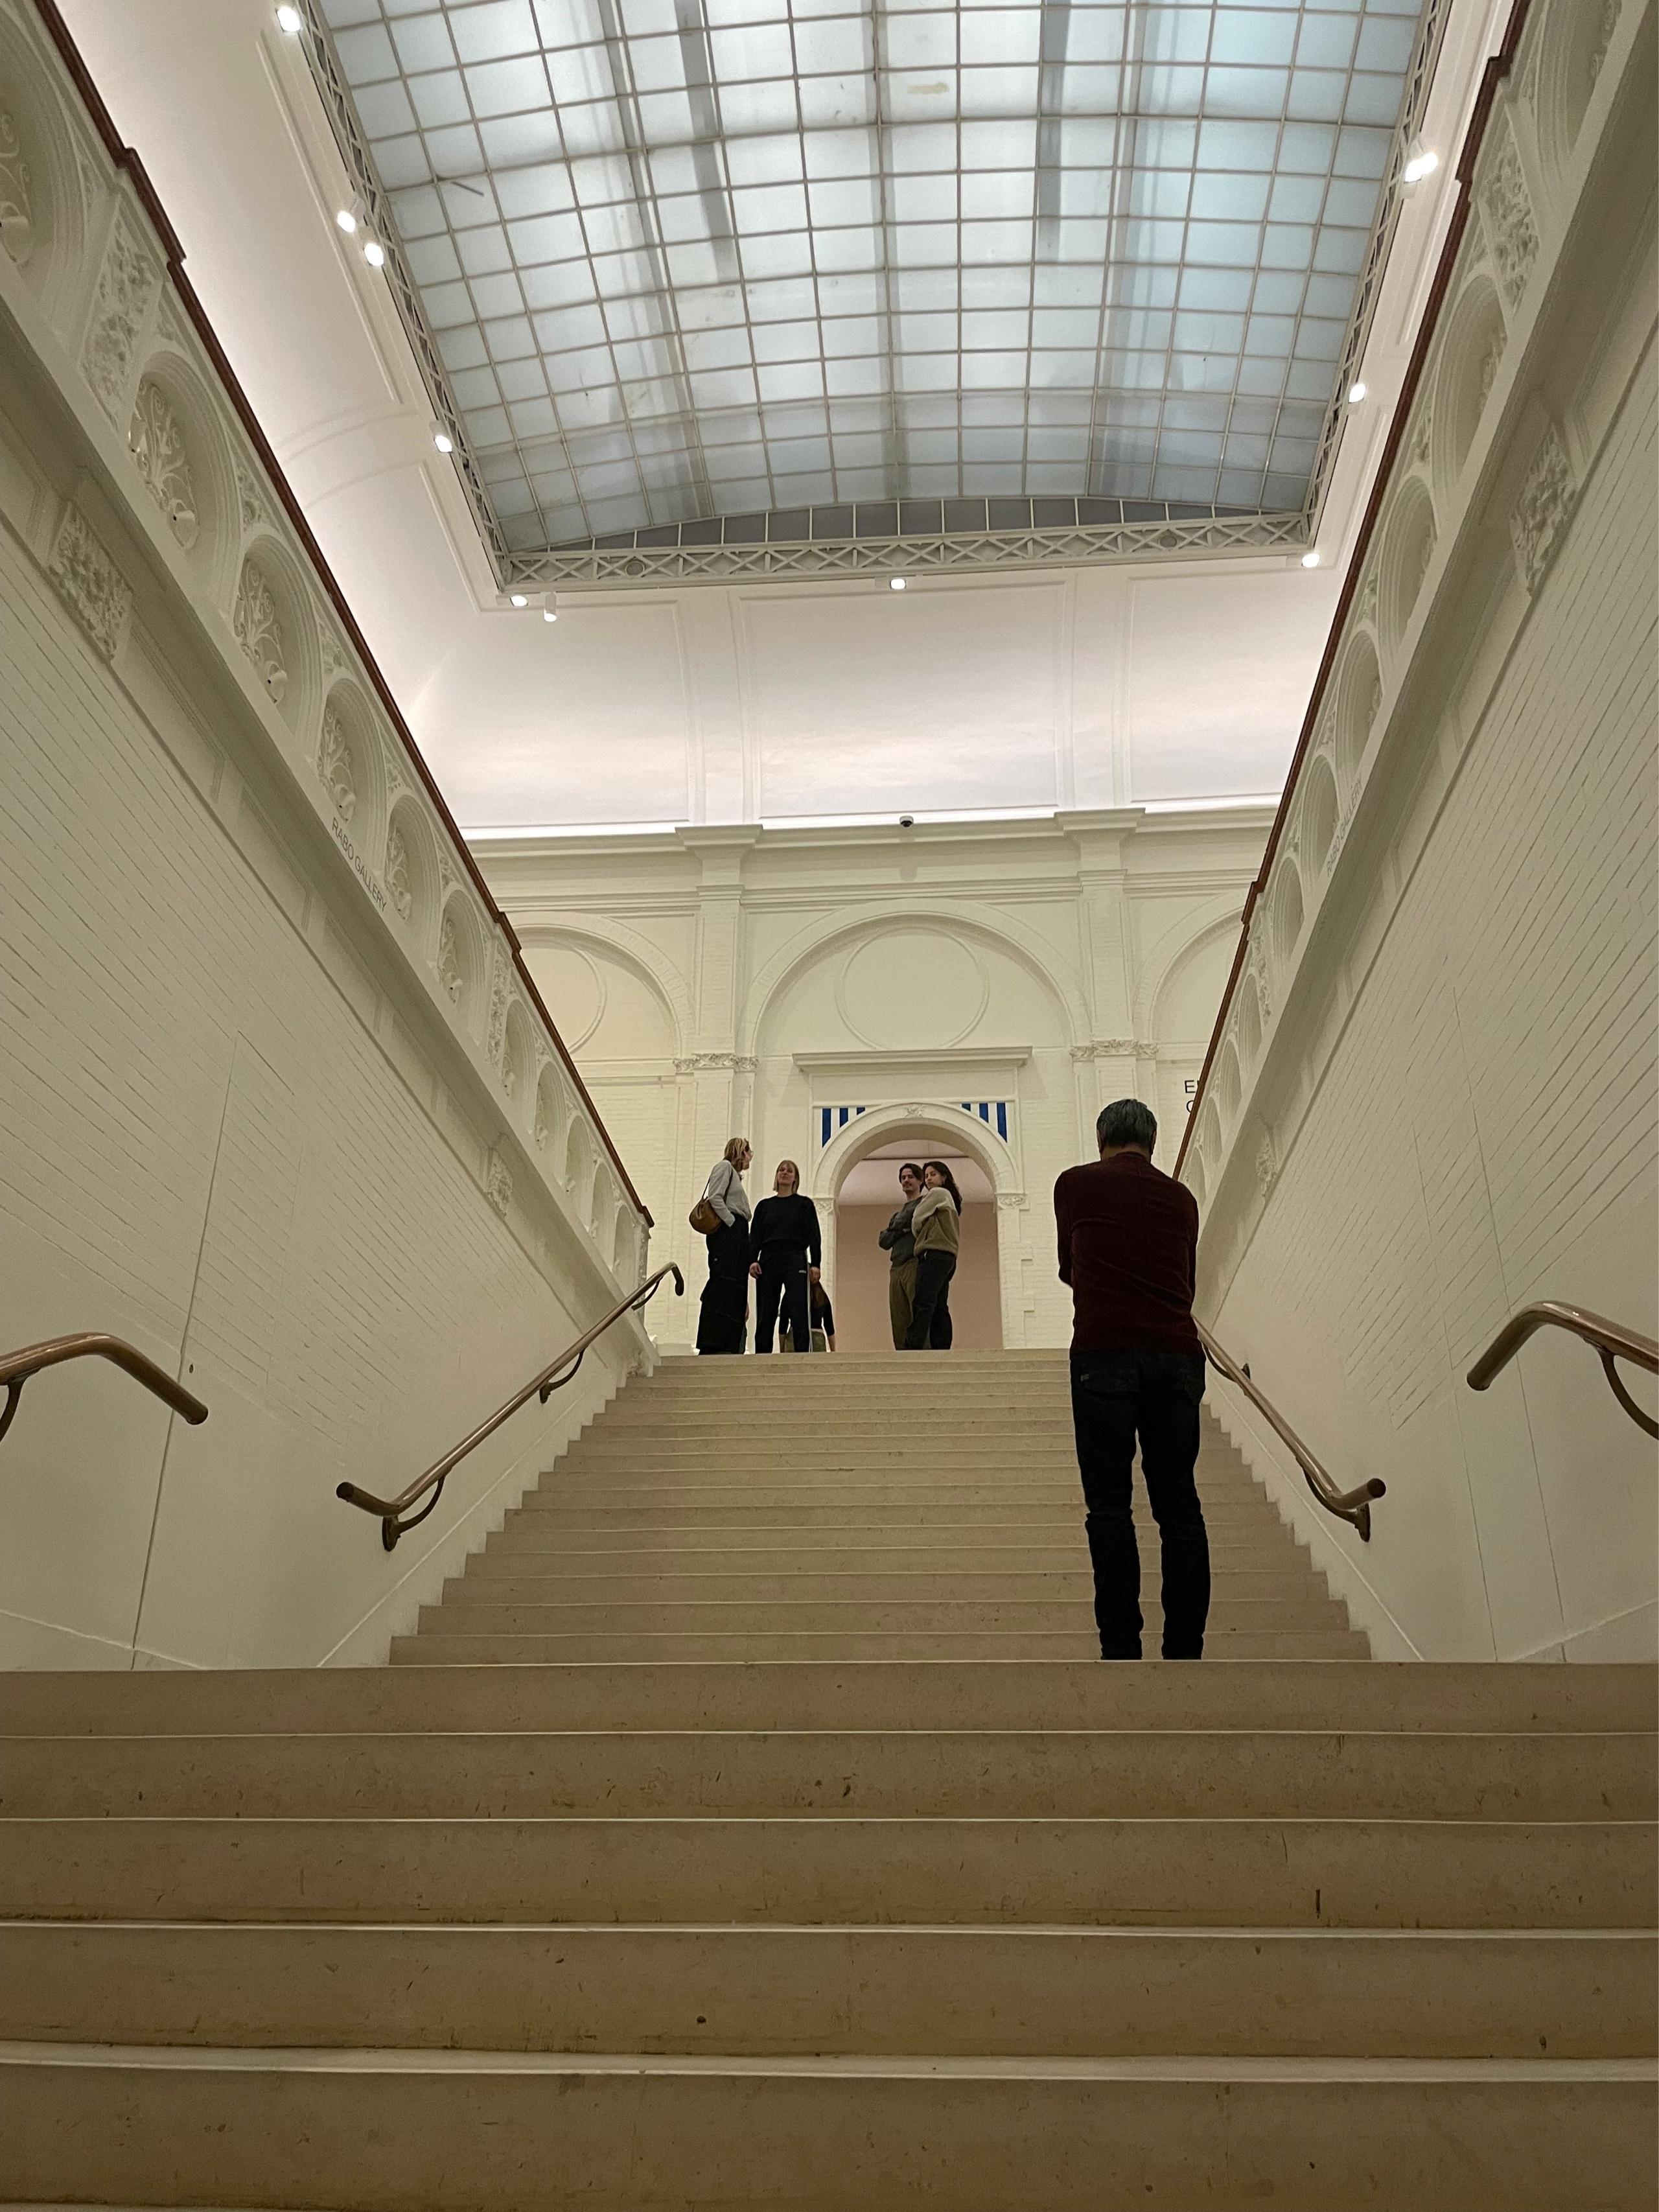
<point x="953" y="1131"/>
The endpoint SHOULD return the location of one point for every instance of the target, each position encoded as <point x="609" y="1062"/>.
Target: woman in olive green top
<point x="935" y="1225"/>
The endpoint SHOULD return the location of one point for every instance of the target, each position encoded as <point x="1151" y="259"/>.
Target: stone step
<point x="844" y="1647"/>
<point x="763" y="1489"/>
<point x="1292" y="1592"/>
<point x="1069" y="1774"/>
<point x="872" y="1992"/>
<point x="534" y="1549"/>
<point x="1253" y="1571"/>
<point x="1269" y="1873"/>
<point x="469" y="1609"/>
<point x="543" y="2132"/>
<point x="550" y="1509"/>
<point x="1387" y="1697"/>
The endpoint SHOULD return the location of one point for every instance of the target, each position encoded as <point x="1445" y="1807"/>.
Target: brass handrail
<point x="1353" y="1506"/>
<point x="1610" y="1338"/>
<point x="390" y="1510"/>
<point x="16" y="1367"/>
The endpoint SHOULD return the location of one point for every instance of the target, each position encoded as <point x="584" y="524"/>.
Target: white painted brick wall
<point x="203" y="1147"/>
<point x="1484" y="1135"/>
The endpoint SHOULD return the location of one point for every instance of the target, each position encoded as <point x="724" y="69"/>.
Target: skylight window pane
<point x="778" y="253"/>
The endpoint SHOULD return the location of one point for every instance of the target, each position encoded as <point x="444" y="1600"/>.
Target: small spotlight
<point x="346" y="220"/>
<point x="896" y="583"/>
<point x="1421" y="162"/>
<point x="1356" y="393"/>
<point x="443" y="441"/>
<point x="290" y="22"/>
<point x="550" y="614"/>
<point x="1310" y="560"/>
<point x="374" y="253"/>
<point x="520" y="599"/>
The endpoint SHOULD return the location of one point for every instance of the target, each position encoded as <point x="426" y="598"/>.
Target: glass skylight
<point x="695" y="257"/>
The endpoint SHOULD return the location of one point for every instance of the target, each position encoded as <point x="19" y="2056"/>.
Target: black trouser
<point x="1116" y="1395"/>
<point x="782" y="1276"/>
<point x="930" y="1308"/>
<point x="723" y="1322"/>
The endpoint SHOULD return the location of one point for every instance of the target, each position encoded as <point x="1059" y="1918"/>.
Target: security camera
<point x="907" y="822"/>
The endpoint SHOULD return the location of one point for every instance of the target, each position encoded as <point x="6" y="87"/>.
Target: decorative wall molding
<point x="1541" y="509"/>
<point x="156" y="439"/>
<point x="498" y="1182"/>
<point x="1506" y="214"/>
<point x="91" y="585"/>
<point x="336" y="767"/>
<point x="16" y="194"/>
<point x="258" y="629"/>
<point x="127" y="285"/>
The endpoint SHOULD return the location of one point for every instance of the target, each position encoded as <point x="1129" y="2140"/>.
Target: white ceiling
<point x="1095" y="685"/>
<point x="693" y="258"/>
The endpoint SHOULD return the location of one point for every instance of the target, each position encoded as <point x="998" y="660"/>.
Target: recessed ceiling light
<point x="1420" y="162"/>
<point x="443" y="441"/>
<point x="374" y="253"/>
<point x="520" y="599"/>
<point x="896" y="583"/>
<point x="1310" y="560"/>
<point x="1356" y="393"/>
<point x="346" y="220"/>
<point x="289" y="21"/>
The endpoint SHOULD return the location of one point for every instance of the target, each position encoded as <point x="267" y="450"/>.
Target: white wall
<point x="297" y="1145"/>
<point x="1434" y="1101"/>
<point x="738" y="980"/>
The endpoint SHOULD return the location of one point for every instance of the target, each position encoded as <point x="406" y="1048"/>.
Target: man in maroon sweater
<point x="1128" y="1239"/>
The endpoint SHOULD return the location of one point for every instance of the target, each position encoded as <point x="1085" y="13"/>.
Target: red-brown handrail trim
<point x="129" y="162"/>
<point x="1611" y="1339"/>
<point x="1498" y="67"/>
<point x="16" y="1368"/>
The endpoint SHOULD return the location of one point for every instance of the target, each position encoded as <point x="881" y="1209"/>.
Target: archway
<point x="854" y="1180"/>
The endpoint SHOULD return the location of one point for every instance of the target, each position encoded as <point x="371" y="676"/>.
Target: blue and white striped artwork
<point x="831" y="1118"/>
<point x="992" y="1110"/>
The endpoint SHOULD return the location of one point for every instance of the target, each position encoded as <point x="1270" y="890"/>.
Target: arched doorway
<point x="858" y="1189"/>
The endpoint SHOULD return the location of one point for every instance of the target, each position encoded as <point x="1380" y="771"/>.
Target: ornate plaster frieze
<point x="686" y="1064"/>
<point x="90" y="584"/>
<point x="16" y="194"/>
<point x="252" y="499"/>
<point x="156" y="439"/>
<point x="337" y="768"/>
<point x="1541" y="511"/>
<point x="498" y="1182"/>
<point x="399" y="882"/>
<point x="127" y="285"/>
<point x="451" y="973"/>
<point x="1506" y="218"/>
<point x="500" y="982"/>
<point x="258" y="629"/>
<point x="333" y="654"/>
<point x="1266" y="1162"/>
<point x="1365" y="604"/>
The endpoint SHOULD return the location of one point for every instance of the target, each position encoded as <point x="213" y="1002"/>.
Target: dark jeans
<point x="930" y="1309"/>
<point x="723" y="1322"/>
<point x="782" y="1276"/>
<point x="1116" y="1395"/>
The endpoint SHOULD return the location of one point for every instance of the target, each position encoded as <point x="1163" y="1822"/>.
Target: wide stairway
<point x="750" y="1829"/>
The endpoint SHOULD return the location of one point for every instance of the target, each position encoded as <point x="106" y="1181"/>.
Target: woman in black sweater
<point x="785" y="1250"/>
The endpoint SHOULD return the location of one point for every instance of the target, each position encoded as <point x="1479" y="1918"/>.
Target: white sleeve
<point x="719" y="1184"/>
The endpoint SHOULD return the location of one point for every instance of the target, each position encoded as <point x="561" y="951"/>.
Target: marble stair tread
<point x="1444" y="1697"/>
<point x="506" y="1578"/>
<point x="867" y="1614"/>
<point x="460" y="1648"/>
<point x="533" y="1552"/>
<point x="875" y="1992"/>
<point x="1197" y="1872"/>
<point x="912" y="1774"/>
<point x="539" y="2132"/>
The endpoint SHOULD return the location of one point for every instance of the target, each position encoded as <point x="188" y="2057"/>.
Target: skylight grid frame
<point x="892" y="415"/>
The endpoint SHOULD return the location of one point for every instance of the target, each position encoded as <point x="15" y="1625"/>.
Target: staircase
<point x="806" y="1860"/>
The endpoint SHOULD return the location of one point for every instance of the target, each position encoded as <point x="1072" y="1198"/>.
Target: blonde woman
<point x="723" y="1324"/>
<point x="785" y="1250"/>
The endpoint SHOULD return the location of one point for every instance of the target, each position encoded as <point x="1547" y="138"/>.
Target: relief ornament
<point x="156" y="439"/>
